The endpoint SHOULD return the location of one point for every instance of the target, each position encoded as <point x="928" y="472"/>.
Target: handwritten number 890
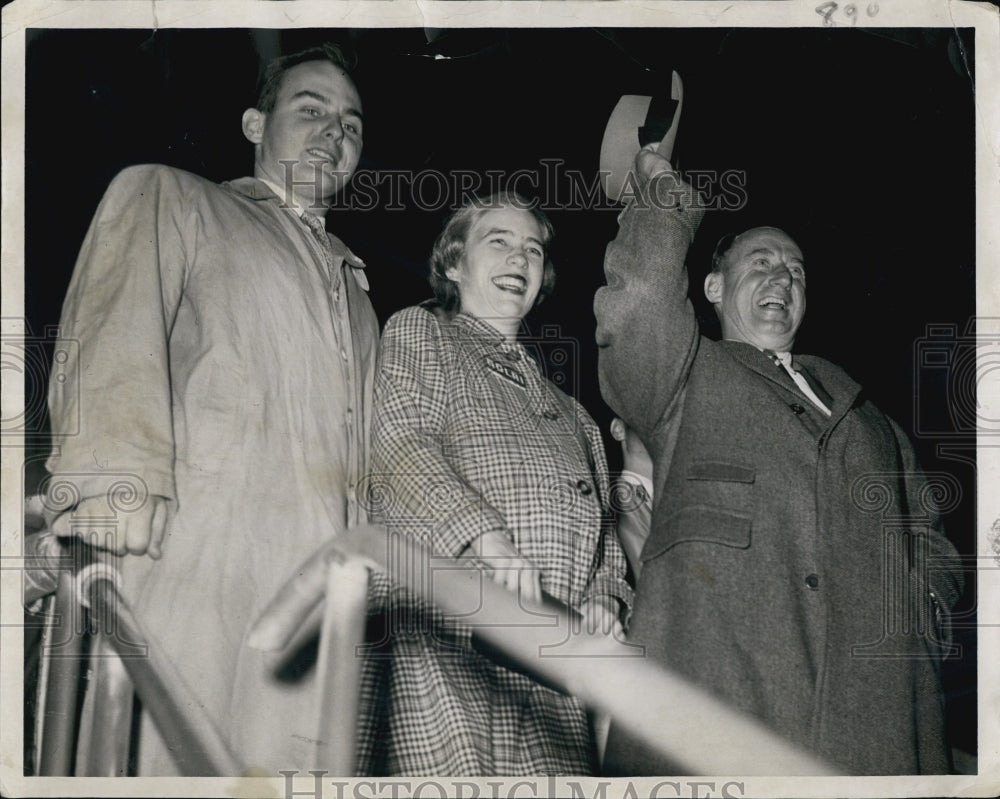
<point x="827" y="10"/>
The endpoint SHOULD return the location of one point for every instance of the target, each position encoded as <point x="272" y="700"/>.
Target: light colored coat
<point x="217" y="369"/>
<point x="775" y="574"/>
<point x="469" y="437"/>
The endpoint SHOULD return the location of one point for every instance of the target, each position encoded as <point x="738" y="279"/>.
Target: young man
<point x="226" y="356"/>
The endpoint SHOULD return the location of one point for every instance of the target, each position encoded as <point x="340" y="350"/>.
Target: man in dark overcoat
<point x="796" y="565"/>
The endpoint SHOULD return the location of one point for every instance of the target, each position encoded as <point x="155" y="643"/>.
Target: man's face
<point x="501" y="270"/>
<point x="311" y="141"/>
<point x="760" y="295"/>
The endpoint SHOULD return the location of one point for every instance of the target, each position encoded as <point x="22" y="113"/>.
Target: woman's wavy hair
<point x="450" y="246"/>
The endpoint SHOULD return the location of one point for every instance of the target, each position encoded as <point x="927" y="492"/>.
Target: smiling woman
<point x="501" y="272"/>
<point x="491" y="261"/>
<point x="480" y="457"/>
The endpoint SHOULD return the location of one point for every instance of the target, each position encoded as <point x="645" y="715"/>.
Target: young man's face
<point x="760" y="295"/>
<point x="310" y="142"/>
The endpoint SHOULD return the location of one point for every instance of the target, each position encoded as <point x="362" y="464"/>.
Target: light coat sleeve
<point x="112" y="412"/>
<point x="413" y="487"/>
<point x="647" y="333"/>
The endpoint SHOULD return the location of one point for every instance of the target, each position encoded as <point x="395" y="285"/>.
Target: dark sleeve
<point x="647" y="333"/>
<point x="940" y="576"/>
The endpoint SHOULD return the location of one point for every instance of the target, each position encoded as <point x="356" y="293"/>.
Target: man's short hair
<point x="725" y="244"/>
<point x="722" y="248"/>
<point x="450" y="246"/>
<point x="270" y="81"/>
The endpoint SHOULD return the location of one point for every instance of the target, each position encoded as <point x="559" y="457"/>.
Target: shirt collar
<point x="514" y="350"/>
<point x="251" y="186"/>
<point x="280" y="193"/>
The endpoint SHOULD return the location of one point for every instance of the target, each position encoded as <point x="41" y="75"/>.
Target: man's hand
<point x="649" y="163"/>
<point x="507" y="566"/>
<point x="138" y="532"/>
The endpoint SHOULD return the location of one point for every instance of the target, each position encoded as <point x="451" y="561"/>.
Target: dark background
<point x="859" y="143"/>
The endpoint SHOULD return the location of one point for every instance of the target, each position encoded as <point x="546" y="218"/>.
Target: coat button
<point x="584" y="487"/>
<point x="812" y="581"/>
<point x="796" y="408"/>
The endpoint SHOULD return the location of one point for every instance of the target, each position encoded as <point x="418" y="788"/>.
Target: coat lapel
<point x="842" y="389"/>
<point x="833" y="381"/>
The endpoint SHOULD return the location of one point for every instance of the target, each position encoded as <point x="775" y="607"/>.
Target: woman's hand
<point x="598" y="617"/>
<point x="506" y="565"/>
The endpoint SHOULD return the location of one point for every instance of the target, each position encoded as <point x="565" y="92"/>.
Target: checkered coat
<point x="469" y="436"/>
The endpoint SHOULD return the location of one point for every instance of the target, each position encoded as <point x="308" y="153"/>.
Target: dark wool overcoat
<point x="796" y="565"/>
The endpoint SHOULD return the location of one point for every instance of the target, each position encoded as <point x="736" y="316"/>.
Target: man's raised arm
<point x="646" y="327"/>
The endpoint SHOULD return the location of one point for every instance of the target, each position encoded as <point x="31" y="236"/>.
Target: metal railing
<point x="91" y="629"/>
<point x="546" y="642"/>
<point x="328" y="597"/>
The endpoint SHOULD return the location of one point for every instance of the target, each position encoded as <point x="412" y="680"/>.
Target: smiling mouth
<point x="512" y="283"/>
<point x="329" y="159"/>
<point x="773" y="303"/>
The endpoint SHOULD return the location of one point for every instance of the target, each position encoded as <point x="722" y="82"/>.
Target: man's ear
<point x="713" y="287"/>
<point x="253" y="125"/>
<point x="618" y="429"/>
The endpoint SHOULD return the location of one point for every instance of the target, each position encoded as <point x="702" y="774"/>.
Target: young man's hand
<point x="138" y="532"/>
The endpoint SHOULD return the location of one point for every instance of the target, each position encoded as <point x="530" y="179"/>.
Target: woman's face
<point x="500" y="272"/>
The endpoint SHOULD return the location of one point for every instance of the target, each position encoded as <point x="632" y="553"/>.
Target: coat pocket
<point x="715" y="507"/>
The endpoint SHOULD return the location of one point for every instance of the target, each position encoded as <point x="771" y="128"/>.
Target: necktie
<point x="315" y="224"/>
<point x="785" y="359"/>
